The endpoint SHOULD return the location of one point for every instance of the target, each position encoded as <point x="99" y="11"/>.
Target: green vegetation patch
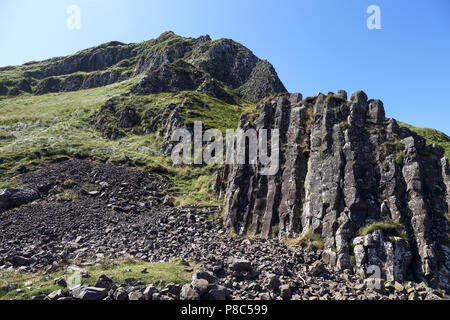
<point x="158" y="274"/>
<point x="389" y="227"/>
<point x="432" y="136"/>
<point x="309" y="240"/>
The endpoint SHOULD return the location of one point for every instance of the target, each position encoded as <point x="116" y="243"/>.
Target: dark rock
<point x="285" y="291"/>
<point x="104" y="282"/>
<point x="19" y="261"/>
<point x="317" y="268"/>
<point x="216" y="293"/>
<point x="200" y="285"/>
<point x="204" y="275"/>
<point x="344" y="166"/>
<point x="274" y="283"/>
<point x="240" y="265"/>
<point x="121" y="294"/>
<point x="13" y="197"/>
<point x="61" y="281"/>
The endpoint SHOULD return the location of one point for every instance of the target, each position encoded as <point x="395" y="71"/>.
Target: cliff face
<point x="367" y="191"/>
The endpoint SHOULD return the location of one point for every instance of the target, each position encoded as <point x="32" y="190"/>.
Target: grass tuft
<point x="309" y="240"/>
<point x="389" y="226"/>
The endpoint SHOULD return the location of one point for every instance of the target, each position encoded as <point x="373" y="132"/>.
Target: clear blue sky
<point x="315" y="45"/>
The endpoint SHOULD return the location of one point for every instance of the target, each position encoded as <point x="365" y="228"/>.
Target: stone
<point x="217" y="293"/>
<point x="204" y="275"/>
<point x="61" y="281"/>
<point x="264" y="296"/>
<point x="317" y="268"/>
<point x="55" y="295"/>
<point x="14" y="197"/>
<point x="413" y="296"/>
<point x="399" y="287"/>
<point x="89" y="293"/>
<point x="274" y="283"/>
<point x="376" y="111"/>
<point x="19" y="261"/>
<point x="240" y="265"/>
<point x="135" y="296"/>
<point x="285" y="291"/>
<point x="200" y="285"/>
<point x="174" y="288"/>
<point x="149" y="291"/>
<point x="104" y="282"/>
<point x="342" y="94"/>
<point x="121" y="294"/>
<point x="189" y="293"/>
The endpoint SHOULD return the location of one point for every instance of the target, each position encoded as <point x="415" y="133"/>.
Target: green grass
<point x="431" y="136"/>
<point x="213" y="112"/>
<point x="390" y="227"/>
<point x="309" y="240"/>
<point x="36" y="130"/>
<point x="158" y="274"/>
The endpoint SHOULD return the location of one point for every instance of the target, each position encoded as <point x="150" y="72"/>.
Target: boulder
<point x="14" y="197"/>
<point x="188" y="292"/>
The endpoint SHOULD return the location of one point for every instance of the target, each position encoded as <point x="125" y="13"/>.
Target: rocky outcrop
<point x="346" y="170"/>
<point x="177" y="63"/>
<point x="92" y="59"/>
<point x="14" y="197"/>
<point x="114" y="116"/>
<point x="169" y="63"/>
<point x="174" y="77"/>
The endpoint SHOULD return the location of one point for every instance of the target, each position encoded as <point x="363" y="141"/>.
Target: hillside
<point x="86" y="176"/>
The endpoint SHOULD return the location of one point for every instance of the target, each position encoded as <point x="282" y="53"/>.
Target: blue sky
<point x="315" y="45"/>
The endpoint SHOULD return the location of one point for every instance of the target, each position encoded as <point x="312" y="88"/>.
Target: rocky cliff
<point x="358" y="189"/>
<point x="351" y="183"/>
<point x="166" y="64"/>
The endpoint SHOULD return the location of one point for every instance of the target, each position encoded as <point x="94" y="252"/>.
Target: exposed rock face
<point x="168" y="63"/>
<point x="93" y="59"/>
<point x="170" y="78"/>
<point x="183" y="64"/>
<point x="344" y="166"/>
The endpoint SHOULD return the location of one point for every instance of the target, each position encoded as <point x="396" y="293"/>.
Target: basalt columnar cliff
<point x="354" y="189"/>
<point x="374" y="193"/>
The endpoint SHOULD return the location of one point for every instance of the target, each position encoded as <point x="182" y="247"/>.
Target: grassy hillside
<point x="158" y="273"/>
<point x="52" y="127"/>
<point x="432" y="136"/>
<point x="35" y="130"/>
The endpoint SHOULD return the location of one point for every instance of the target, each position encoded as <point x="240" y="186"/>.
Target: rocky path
<point x="88" y="212"/>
